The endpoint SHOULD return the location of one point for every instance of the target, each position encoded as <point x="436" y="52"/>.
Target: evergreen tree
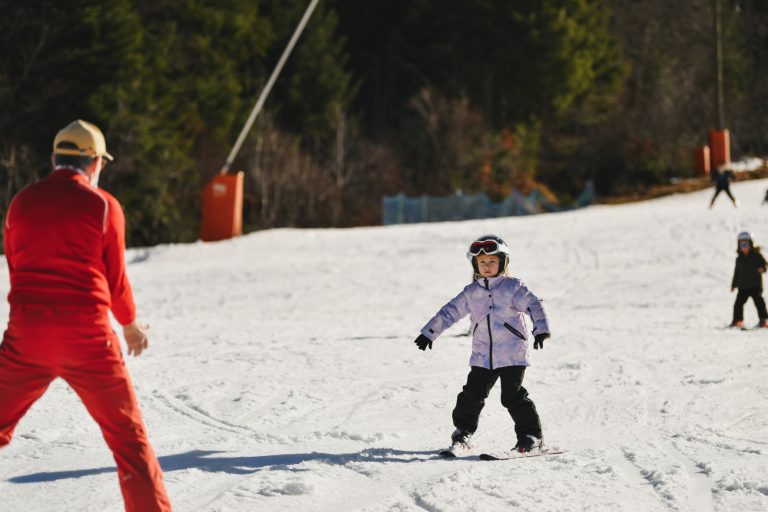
<point x="316" y="88"/>
<point x="62" y="61"/>
<point x="201" y="73"/>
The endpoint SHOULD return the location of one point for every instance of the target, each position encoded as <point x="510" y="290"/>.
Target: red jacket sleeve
<point x="123" y="306"/>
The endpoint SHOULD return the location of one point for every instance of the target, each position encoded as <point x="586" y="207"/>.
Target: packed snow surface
<point x="282" y="373"/>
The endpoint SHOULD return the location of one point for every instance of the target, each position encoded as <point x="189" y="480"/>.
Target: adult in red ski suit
<point x="65" y="245"/>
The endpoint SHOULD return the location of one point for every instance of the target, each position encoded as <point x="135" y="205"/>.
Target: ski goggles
<point x="744" y="244"/>
<point x="485" y="246"/>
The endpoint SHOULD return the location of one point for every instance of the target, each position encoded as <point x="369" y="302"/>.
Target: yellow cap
<point x="87" y="138"/>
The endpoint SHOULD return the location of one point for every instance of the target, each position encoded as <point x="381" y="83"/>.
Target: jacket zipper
<point x="490" y="336"/>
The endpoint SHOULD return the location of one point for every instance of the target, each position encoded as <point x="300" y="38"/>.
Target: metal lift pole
<point x="268" y="87"/>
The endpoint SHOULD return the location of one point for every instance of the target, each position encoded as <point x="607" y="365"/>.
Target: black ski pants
<point x="514" y="397"/>
<point x="741" y="299"/>
<point x="727" y="190"/>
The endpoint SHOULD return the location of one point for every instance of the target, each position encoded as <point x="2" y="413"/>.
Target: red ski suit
<point x="65" y="246"/>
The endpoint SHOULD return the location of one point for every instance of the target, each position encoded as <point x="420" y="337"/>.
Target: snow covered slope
<point x="282" y="375"/>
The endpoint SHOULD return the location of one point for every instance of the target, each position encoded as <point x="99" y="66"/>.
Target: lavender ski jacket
<point x="497" y="307"/>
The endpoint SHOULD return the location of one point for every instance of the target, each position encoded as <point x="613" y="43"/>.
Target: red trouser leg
<point x="98" y="375"/>
<point x="85" y="352"/>
<point x="21" y="384"/>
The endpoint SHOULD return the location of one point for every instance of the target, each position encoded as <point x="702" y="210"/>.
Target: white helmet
<point x="489" y="244"/>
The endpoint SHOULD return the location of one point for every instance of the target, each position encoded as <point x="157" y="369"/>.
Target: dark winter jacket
<point x="746" y="273"/>
<point x="723" y="179"/>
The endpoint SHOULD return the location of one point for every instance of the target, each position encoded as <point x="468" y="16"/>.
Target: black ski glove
<point x="538" y="340"/>
<point x="423" y="342"/>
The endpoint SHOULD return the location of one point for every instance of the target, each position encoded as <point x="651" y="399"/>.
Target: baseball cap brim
<point x="81" y="138"/>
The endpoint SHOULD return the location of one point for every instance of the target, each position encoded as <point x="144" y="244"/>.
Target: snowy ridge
<point x="282" y="374"/>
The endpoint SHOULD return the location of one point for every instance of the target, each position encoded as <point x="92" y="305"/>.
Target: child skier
<point x="497" y="306"/>
<point x="722" y="180"/>
<point x="748" y="278"/>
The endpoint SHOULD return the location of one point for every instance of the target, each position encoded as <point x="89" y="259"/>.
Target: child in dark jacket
<point x="722" y="182"/>
<point x="748" y="278"/>
<point x="498" y="307"/>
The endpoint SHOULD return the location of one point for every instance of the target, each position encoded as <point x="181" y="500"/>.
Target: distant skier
<point x="497" y="306"/>
<point x="722" y="181"/>
<point x="748" y="278"/>
<point x="765" y="199"/>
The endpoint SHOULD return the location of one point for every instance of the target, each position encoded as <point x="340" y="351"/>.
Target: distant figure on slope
<point x="723" y="184"/>
<point x="765" y="199"/>
<point x="748" y="278"/>
<point x="497" y="306"/>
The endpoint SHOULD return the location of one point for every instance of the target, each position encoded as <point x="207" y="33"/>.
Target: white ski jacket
<point x="497" y="307"/>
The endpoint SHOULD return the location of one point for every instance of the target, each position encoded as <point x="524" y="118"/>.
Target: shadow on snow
<point x="207" y="460"/>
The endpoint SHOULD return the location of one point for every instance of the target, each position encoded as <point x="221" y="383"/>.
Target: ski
<point x="741" y="328"/>
<point x="511" y="454"/>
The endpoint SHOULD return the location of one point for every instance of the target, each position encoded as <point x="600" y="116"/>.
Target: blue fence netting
<point x="401" y="209"/>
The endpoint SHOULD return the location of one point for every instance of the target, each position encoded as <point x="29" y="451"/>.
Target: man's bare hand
<point x="135" y="335"/>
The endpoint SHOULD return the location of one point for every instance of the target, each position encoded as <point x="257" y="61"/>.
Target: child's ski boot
<point x="461" y="444"/>
<point x="528" y="444"/>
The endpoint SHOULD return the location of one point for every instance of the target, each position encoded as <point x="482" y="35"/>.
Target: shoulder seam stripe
<point x="106" y="207"/>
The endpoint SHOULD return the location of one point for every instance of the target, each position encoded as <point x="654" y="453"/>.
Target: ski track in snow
<point x="282" y="374"/>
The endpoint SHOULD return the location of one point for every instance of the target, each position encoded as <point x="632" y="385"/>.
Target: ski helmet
<point x="744" y="235"/>
<point x="489" y="244"/>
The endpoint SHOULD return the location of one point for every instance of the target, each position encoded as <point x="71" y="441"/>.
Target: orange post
<point x="222" y="207"/>
<point x="719" y="148"/>
<point x="701" y="160"/>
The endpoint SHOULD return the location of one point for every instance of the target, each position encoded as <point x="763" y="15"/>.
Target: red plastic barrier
<point x="701" y="160"/>
<point x="222" y="208"/>
<point x="719" y="148"/>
